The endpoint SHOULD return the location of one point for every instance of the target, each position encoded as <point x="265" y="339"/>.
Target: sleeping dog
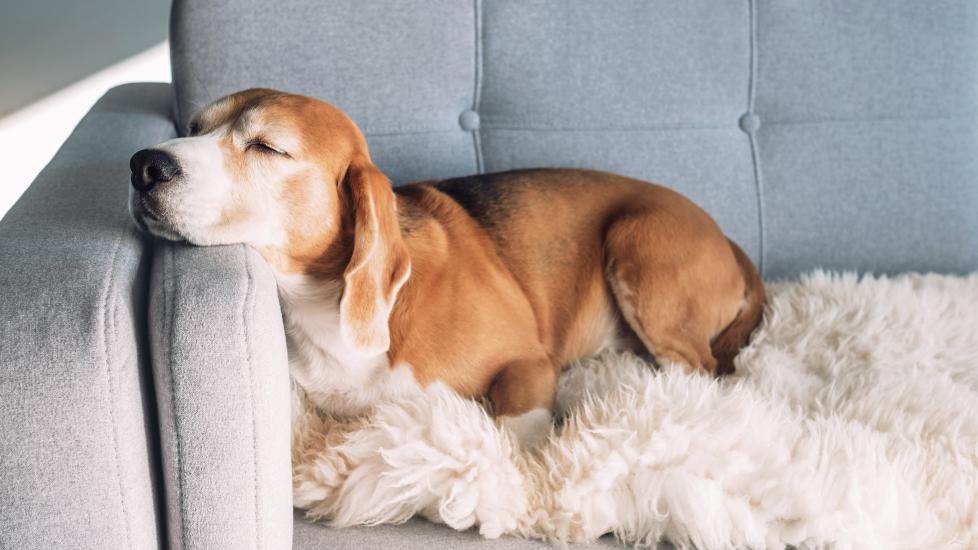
<point x="489" y="284"/>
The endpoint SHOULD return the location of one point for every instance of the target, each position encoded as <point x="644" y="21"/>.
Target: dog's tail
<point x="726" y="344"/>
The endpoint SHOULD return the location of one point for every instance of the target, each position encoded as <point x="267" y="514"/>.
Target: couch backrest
<point x="829" y="133"/>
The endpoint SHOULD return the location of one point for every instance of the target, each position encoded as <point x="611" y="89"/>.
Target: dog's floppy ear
<point x="379" y="265"/>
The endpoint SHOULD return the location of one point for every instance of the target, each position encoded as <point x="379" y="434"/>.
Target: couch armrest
<point x="221" y="372"/>
<point x="77" y="418"/>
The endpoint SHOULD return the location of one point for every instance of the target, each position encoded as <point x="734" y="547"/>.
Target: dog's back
<point x="560" y="233"/>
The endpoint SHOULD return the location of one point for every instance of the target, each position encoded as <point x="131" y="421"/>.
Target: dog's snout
<point x="151" y="167"/>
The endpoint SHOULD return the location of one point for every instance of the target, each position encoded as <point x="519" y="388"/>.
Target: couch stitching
<point x="752" y="138"/>
<point x="397" y="132"/>
<point x="247" y="316"/>
<point x="477" y="94"/>
<point x="106" y="318"/>
<point x="168" y="329"/>
<point x="487" y="123"/>
<point x="651" y="128"/>
<point x="156" y="447"/>
<point x="870" y="120"/>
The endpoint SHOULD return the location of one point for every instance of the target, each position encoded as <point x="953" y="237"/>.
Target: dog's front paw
<point x="530" y="428"/>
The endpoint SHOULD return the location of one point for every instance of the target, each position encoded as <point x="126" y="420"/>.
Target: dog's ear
<point x="380" y="264"/>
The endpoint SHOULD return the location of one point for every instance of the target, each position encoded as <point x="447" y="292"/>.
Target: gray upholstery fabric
<point x="418" y="533"/>
<point x="868" y="142"/>
<point x="826" y="133"/>
<point x="398" y="68"/>
<point x="77" y="419"/>
<point x="221" y="373"/>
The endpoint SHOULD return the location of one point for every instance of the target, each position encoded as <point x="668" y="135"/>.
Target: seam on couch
<point x="247" y="317"/>
<point x="395" y="132"/>
<point x="752" y="137"/>
<point x="107" y="304"/>
<point x="872" y="120"/>
<point x="152" y="423"/>
<point x="477" y="94"/>
<point x="488" y="123"/>
<point x="168" y="329"/>
<point x="518" y="127"/>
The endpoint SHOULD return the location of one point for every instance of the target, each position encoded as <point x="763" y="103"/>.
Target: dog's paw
<point x="530" y="428"/>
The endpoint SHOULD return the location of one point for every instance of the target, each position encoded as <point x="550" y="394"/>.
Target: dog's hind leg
<point x="676" y="285"/>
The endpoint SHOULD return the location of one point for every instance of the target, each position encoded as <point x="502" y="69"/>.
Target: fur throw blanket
<point x="851" y="422"/>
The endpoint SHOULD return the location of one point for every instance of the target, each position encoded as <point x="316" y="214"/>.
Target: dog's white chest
<point x="335" y="378"/>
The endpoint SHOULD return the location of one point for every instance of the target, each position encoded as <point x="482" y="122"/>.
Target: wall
<point x="46" y="45"/>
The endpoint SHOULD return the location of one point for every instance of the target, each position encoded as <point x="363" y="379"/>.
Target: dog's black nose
<point x="151" y="167"/>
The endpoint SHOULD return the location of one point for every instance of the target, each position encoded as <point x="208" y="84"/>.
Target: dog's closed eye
<point x="263" y="147"/>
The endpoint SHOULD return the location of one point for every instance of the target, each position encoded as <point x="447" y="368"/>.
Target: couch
<point x="144" y="389"/>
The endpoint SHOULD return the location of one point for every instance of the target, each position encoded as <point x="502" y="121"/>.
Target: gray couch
<point x="144" y="385"/>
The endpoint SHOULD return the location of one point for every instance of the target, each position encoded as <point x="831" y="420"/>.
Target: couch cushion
<point x="590" y="84"/>
<point x="867" y="144"/>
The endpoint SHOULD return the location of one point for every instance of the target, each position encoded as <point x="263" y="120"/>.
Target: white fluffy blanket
<point x="852" y="422"/>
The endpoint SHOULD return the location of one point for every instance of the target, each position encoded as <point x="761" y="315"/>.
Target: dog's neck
<point x="310" y="284"/>
<point x="332" y="374"/>
<point x="310" y="308"/>
<point x="311" y="311"/>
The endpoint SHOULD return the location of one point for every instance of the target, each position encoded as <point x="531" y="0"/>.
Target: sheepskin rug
<point x="852" y="422"/>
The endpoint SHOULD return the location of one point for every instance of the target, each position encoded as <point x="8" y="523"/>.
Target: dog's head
<point x="291" y="176"/>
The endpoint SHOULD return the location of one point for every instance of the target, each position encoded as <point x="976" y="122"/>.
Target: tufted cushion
<point x="827" y="133"/>
<point x="867" y="151"/>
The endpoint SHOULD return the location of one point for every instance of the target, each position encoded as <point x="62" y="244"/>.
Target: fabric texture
<point x="868" y="134"/>
<point x="851" y="422"/>
<point x="402" y="70"/>
<point x="77" y="417"/>
<point x="818" y="134"/>
<point x="221" y="373"/>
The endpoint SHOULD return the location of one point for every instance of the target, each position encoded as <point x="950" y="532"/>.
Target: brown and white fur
<point x="489" y="284"/>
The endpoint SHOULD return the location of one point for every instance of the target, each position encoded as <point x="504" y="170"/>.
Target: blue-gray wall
<point x="46" y="45"/>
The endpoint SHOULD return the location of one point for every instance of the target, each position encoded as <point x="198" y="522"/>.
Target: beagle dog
<point x="489" y="284"/>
